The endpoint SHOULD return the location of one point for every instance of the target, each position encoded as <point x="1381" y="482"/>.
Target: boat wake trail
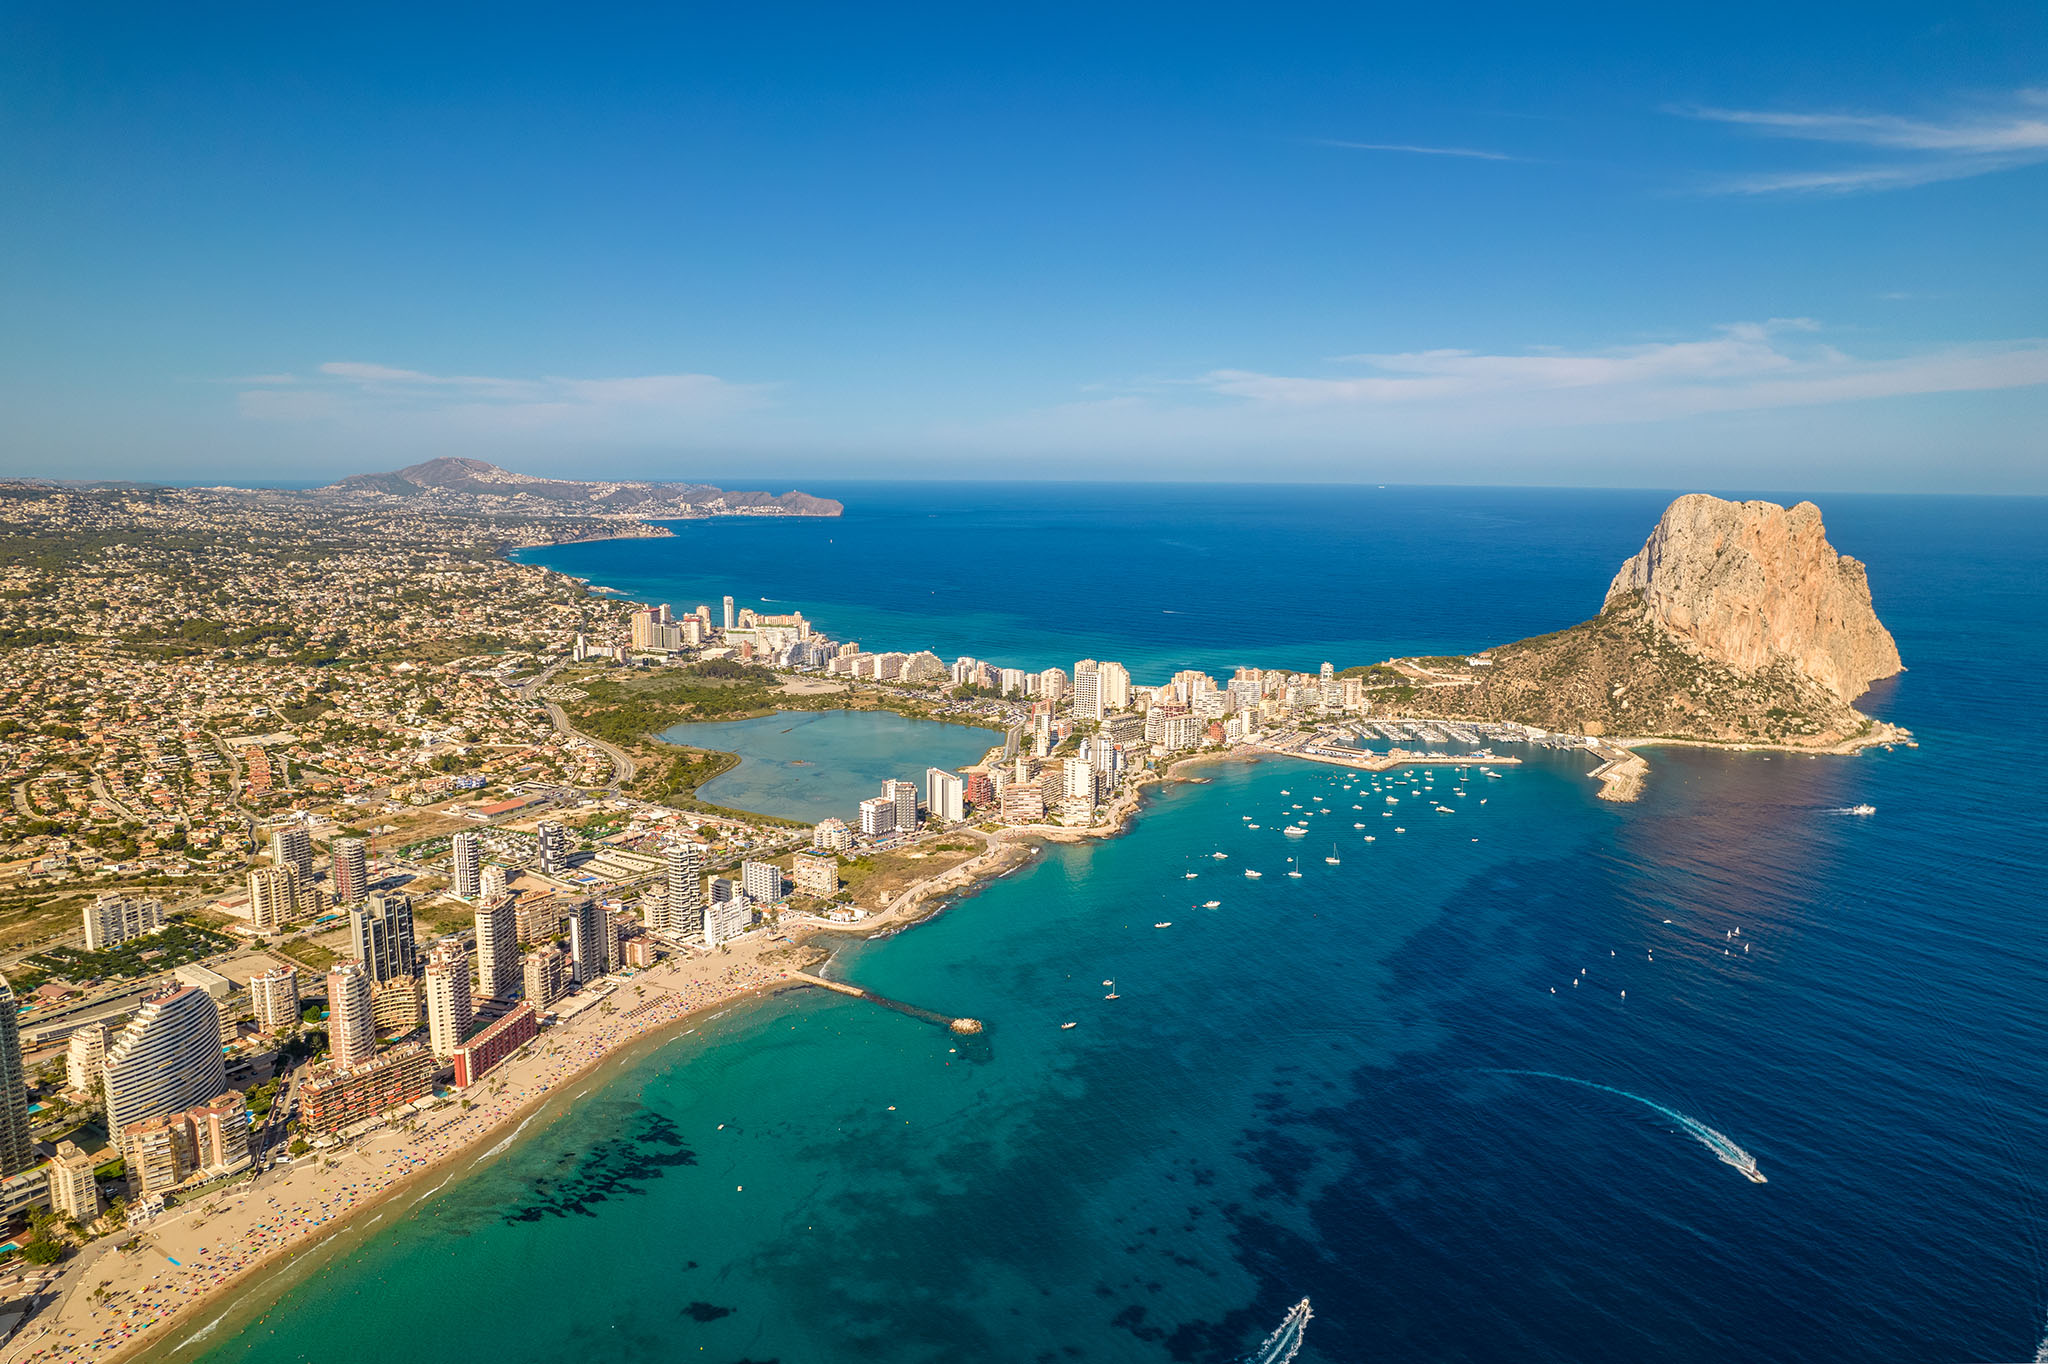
<point x="1285" y="1342"/>
<point x="1723" y="1147"/>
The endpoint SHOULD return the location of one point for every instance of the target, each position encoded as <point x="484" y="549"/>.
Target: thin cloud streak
<point x="408" y="400"/>
<point x="1472" y="153"/>
<point x="1958" y="147"/>
<point x="1745" y="366"/>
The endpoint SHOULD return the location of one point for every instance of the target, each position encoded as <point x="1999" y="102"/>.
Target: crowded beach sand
<point x="126" y="1291"/>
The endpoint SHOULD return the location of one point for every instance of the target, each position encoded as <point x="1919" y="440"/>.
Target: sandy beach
<point x="122" y="1295"/>
<point x="119" y="1301"/>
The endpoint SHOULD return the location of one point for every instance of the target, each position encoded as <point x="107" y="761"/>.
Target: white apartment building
<point x="166" y="1060"/>
<point x="762" y="881"/>
<point x="292" y="846"/>
<point x="945" y="794"/>
<point x="497" y="948"/>
<point x="466" y="853"/>
<point x="351" y="1023"/>
<point x="275" y="995"/>
<point x="114" y="918"/>
<point x="449" y="1007"/>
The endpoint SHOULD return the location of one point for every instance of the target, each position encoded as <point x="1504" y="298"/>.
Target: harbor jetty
<point x="965" y="1027"/>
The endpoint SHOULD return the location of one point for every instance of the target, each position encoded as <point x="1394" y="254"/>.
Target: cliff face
<point x="1751" y="584"/>
<point x="1737" y="622"/>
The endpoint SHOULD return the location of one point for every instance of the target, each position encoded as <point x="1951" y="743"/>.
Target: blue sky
<point x="1784" y="246"/>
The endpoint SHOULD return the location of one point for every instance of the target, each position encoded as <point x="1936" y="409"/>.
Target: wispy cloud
<point x="391" y="397"/>
<point x="1742" y="366"/>
<point x="1435" y="400"/>
<point x="1472" y="152"/>
<point x="1955" y="146"/>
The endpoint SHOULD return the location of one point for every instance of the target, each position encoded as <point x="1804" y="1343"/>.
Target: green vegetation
<point x="176" y="944"/>
<point x="309" y="954"/>
<point x="689" y="769"/>
<point x="42" y="1247"/>
<point x="627" y="712"/>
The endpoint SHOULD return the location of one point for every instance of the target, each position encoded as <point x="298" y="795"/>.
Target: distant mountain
<point x="483" y="484"/>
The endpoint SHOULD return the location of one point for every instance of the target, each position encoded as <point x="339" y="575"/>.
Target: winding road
<point x="623" y="766"/>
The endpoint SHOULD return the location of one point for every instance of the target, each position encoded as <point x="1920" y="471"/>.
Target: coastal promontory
<point x="1737" y="622"/>
<point x="475" y="484"/>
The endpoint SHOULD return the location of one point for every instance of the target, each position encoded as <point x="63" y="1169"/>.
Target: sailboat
<point x="1332" y="858"/>
<point x="1112" y="990"/>
<point x="1292" y="870"/>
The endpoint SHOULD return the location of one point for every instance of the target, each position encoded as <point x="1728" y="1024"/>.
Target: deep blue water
<point x="1158" y="578"/>
<point x="1296" y="1093"/>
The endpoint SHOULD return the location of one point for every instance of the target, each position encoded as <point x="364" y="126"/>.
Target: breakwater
<point x="965" y="1027"/>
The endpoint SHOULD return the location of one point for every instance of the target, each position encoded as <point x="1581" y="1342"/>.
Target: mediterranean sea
<point x="1371" y="1085"/>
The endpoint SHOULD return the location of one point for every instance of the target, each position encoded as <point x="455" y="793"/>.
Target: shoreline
<point x="1004" y="851"/>
<point x="1882" y="733"/>
<point x="343" y="1180"/>
<point x="359" y="1197"/>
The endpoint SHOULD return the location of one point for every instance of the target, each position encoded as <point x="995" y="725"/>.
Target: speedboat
<point x="1219" y="856"/>
<point x="1212" y="904"/>
<point x="1189" y="876"/>
<point x="1167" y="924"/>
<point x="1249" y="873"/>
<point x="1065" y="1026"/>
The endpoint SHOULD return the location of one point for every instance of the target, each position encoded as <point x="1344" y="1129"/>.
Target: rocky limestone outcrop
<point x="1752" y="584"/>
<point x="1737" y="623"/>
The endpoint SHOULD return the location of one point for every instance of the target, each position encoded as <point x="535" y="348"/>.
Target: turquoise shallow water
<point x="1296" y="1093"/>
<point x="811" y="764"/>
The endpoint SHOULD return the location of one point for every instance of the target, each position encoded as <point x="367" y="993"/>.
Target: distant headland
<point x="454" y="482"/>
